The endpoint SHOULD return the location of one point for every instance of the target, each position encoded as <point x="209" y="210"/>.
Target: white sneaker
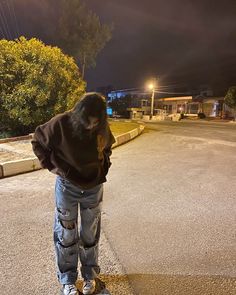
<point x="69" y="290"/>
<point x="89" y="287"/>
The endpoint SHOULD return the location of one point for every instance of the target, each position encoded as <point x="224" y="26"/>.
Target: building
<point x="189" y="105"/>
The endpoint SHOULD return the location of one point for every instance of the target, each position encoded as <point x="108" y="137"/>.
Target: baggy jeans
<point x="69" y="244"/>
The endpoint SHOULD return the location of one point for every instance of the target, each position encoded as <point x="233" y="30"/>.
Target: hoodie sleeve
<point x="42" y="144"/>
<point x="110" y="141"/>
<point x="107" y="150"/>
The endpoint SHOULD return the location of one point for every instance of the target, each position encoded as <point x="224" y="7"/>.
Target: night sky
<point x="178" y="41"/>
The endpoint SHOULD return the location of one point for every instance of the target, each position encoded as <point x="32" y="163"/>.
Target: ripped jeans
<point x="69" y="244"/>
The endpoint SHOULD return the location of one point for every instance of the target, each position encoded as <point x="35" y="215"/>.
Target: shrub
<point x="201" y="115"/>
<point x="36" y="82"/>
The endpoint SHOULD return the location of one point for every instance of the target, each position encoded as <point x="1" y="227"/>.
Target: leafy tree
<point x="230" y="99"/>
<point x="82" y="35"/>
<point x="120" y="105"/>
<point x="36" y="82"/>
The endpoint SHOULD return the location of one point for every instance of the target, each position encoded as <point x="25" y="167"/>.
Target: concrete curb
<point x="18" y="166"/>
<point x="11" y="139"/>
<point x="15" y="167"/>
<point x="125" y="137"/>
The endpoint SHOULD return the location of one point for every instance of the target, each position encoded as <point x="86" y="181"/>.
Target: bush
<point x="201" y="115"/>
<point x="230" y="100"/>
<point x="5" y="134"/>
<point x="36" y="82"/>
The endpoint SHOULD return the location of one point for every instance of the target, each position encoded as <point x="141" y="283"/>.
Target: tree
<point x="120" y="105"/>
<point x="36" y="82"/>
<point x="81" y="33"/>
<point x="230" y="99"/>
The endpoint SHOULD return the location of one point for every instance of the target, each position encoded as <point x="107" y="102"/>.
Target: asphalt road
<point x="197" y="128"/>
<point x="27" y="264"/>
<point x="169" y="217"/>
<point x="170" y="209"/>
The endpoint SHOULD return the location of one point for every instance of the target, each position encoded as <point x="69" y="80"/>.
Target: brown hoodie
<point x="84" y="162"/>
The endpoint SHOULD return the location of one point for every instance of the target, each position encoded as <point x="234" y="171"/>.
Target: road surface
<point x="170" y="209"/>
<point x="169" y="217"/>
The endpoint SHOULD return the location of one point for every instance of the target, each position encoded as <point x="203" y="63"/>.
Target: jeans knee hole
<point x="63" y="212"/>
<point x="68" y="224"/>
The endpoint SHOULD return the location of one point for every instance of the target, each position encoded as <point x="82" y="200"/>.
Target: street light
<point x="152" y="87"/>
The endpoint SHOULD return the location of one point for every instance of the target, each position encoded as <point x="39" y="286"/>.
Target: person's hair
<point x="91" y="104"/>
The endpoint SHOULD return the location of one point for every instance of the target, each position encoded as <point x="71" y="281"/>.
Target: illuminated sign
<point x="109" y="111"/>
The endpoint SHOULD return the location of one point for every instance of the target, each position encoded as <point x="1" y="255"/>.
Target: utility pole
<point x="152" y="86"/>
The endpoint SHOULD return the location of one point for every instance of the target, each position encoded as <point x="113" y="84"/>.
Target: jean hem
<point x="67" y="278"/>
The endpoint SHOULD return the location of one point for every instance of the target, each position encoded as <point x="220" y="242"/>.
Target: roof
<point x="176" y="98"/>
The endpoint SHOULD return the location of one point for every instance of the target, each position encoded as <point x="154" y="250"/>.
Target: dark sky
<point x="179" y="41"/>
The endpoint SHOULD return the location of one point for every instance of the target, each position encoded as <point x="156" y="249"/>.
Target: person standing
<point x="76" y="146"/>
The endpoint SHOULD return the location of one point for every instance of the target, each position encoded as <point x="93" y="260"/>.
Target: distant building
<point x="189" y="105"/>
<point x="194" y="105"/>
<point x="133" y="93"/>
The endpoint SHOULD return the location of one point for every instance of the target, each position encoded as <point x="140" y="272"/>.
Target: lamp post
<point x="152" y="87"/>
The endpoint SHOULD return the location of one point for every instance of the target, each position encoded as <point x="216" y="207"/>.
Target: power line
<point x="172" y="85"/>
<point x="4" y="21"/>
<point x="186" y="93"/>
<point x="11" y="7"/>
<point x="4" y="29"/>
<point x="1" y="31"/>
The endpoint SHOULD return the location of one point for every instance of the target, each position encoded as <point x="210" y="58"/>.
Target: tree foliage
<point x="119" y="105"/>
<point x="36" y="82"/>
<point x="82" y="35"/>
<point x="230" y="98"/>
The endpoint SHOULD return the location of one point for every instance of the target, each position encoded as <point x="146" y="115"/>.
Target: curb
<point x="15" y="167"/>
<point x="125" y="137"/>
<point x="11" y="139"/>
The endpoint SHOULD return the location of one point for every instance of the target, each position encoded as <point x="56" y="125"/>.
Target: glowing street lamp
<point x="151" y="86"/>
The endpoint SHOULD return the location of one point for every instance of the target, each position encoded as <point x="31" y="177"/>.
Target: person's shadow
<point x="163" y="284"/>
<point x="100" y="288"/>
